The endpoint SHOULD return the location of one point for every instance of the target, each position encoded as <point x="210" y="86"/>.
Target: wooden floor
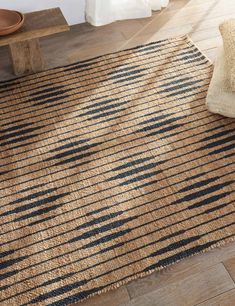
<point x="207" y="279"/>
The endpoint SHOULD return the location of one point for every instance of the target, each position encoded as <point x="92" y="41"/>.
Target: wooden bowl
<point x="10" y="21"/>
<point x="8" y="18"/>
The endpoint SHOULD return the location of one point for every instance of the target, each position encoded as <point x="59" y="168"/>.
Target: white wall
<point x="73" y="10"/>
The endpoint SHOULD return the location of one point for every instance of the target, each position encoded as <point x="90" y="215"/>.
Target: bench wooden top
<point x="38" y="24"/>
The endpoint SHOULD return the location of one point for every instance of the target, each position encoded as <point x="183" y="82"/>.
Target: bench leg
<point x="26" y="57"/>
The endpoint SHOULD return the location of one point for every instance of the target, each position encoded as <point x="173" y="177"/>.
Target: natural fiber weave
<point x="227" y="30"/>
<point x="110" y="168"/>
<point x="219" y="100"/>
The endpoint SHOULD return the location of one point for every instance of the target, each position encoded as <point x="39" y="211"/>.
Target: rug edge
<point x="185" y="36"/>
<point x="144" y="274"/>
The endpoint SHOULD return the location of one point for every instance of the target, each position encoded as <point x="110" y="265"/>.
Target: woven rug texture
<point x="111" y="168"/>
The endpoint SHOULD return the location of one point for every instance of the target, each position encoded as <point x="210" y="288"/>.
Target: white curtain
<point x="100" y="12"/>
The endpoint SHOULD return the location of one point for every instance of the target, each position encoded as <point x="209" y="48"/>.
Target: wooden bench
<point x="24" y="44"/>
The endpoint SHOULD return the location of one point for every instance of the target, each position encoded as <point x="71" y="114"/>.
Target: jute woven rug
<point x="111" y="168"/>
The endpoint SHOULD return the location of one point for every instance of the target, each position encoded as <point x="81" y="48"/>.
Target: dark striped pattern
<point x="110" y="168"/>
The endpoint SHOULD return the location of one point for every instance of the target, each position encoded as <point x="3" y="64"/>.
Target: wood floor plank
<point x="190" y="15"/>
<point x="224" y="299"/>
<point x="210" y="43"/>
<point x="226" y="252"/>
<point x="230" y="266"/>
<point x="172" y="274"/>
<point x="211" y="54"/>
<point x="194" y="289"/>
<point x="128" y="28"/>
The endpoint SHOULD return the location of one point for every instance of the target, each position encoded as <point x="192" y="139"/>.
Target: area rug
<point x="111" y="168"/>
